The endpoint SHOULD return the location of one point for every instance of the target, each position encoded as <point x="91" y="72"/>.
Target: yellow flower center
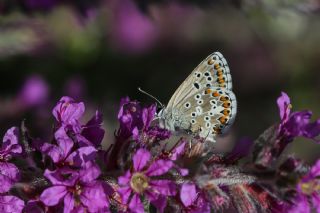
<point x="309" y="187"/>
<point x="139" y="182"/>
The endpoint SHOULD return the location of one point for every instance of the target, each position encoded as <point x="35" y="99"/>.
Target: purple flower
<point x="308" y="190"/>
<point x="297" y="123"/>
<point x="65" y="153"/>
<point x="11" y="204"/>
<point x="9" y="173"/>
<point x="34" y="92"/>
<point x="68" y="113"/>
<point x="141" y="181"/>
<point x="193" y="200"/>
<point x="135" y="121"/>
<point x="80" y="191"/>
<point x="273" y="141"/>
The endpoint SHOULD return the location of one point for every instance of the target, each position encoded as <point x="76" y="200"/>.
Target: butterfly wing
<point x="210" y="111"/>
<point x="211" y="72"/>
<point x="204" y="102"/>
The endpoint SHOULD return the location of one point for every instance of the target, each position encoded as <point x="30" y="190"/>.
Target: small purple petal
<point x="136" y="205"/>
<point x="300" y="205"/>
<point x="10" y="141"/>
<point x="93" y="131"/>
<point x="140" y="159"/>
<point x="55" y="152"/>
<point x="11" y="204"/>
<point x="9" y="174"/>
<point x="52" y="195"/>
<point x="68" y="203"/>
<point x="160" y="203"/>
<point x="176" y="152"/>
<point x="284" y="106"/>
<point x="125" y="179"/>
<point x="148" y="115"/>
<point x="89" y="173"/>
<point x="82" y="155"/>
<point x="67" y="111"/>
<point x="63" y="176"/>
<point x="159" y="167"/>
<point x="163" y="187"/>
<point x="188" y="194"/>
<point x="125" y="193"/>
<point x="94" y="198"/>
<point x="63" y="140"/>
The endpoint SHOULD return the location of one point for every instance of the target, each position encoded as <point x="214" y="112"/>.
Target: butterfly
<point x="204" y="103"/>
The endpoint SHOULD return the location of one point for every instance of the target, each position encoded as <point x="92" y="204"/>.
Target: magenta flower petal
<point x="63" y="140"/>
<point x="140" y="159"/>
<point x="136" y="205"/>
<point x="163" y="187"/>
<point x="89" y="173"/>
<point x="52" y="195"/>
<point x="92" y="131"/>
<point x="316" y="202"/>
<point x="148" y="115"/>
<point x="315" y="170"/>
<point x="94" y="198"/>
<point x="176" y="152"/>
<point x="125" y="193"/>
<point x="301" y="205"/>
<point x="188" y="194"/>
<point x="55" y="152"/>
<point x="159" y="167"/>
<point x="125" y="179"/>
<point x="160" y="203"/>
<point x="9" y="174"/>
<point x="82" y="155"/>
<point x="64" y="176"/>
<point x="284" y="106"/>
<point x="11" y="204"/>
<point x="10" y="142"/>
<point x="68" y="203"/>
<point x="67" y="111"/>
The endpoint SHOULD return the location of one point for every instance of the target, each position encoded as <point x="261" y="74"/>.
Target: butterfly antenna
<point x="151" y="96"/>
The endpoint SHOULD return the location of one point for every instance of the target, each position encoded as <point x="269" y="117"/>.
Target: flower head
<point x="142" y="181"/>
<point x="308" y="192"/>
<point x="135" y="121"/>
<point x="65" y="153"/>
<point x="79" y="190"/>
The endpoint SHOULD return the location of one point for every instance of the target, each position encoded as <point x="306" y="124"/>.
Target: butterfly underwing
<point x="204" y="103"/>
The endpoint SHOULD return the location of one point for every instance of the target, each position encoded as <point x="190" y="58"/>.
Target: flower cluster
<point x="147" y="170"/>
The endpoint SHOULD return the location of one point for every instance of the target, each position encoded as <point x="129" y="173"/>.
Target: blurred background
<point x="99" y="51"/>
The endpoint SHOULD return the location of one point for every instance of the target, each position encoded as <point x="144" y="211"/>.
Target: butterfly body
<point x="204" y="104"/>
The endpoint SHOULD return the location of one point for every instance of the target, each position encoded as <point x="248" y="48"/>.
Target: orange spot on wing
<point x="226" y="104"/>
<point x="215" y="94"/>
<point x="223" y="120"/>
<point x="208" y="91"/>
